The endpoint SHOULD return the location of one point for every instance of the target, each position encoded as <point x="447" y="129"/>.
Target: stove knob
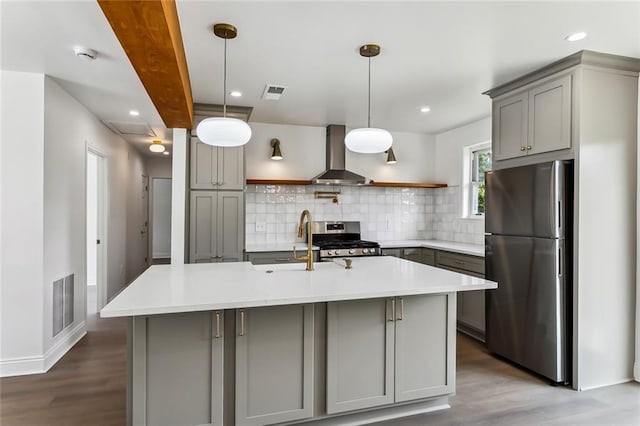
<point x="329" y="252"/>
<point x="351" y="251"/>
<point x="368" y="250"/>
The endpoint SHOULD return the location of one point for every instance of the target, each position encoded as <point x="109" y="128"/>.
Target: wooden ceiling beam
<point x="149" y="32"/>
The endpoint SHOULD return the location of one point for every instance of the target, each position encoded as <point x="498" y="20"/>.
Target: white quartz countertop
<point x="163" y="289"/>
<point x="463" y="248"/>
<point x="258" y="248"/>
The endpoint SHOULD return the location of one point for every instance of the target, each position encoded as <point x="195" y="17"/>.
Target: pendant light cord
<point x="224" y="95"/>
<point x="369" y="97"/>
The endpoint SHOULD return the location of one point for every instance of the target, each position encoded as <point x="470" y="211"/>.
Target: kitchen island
<point x="241" y="344"/>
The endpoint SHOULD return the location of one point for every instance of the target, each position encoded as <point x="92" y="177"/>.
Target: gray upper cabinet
<point x="360" y="346"/>
<point x="533" y="121"/>
<point x="178" y="369"/>
<point x="274" y="364"/>
<point x="510" y="120"/>
<point x="383" y="351"/>
<point x="216" y="168"/>
<point x="217" y="226"/>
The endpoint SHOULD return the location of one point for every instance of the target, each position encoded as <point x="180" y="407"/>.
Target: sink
<point x="293" y="267"/>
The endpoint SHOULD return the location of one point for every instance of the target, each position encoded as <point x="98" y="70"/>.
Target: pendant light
<point x="369" y="140"/>
<point x="156" y="146"/>
<point x="224" y="131"/>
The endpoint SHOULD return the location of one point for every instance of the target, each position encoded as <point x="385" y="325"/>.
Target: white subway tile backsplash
<point x="384" y="213"/>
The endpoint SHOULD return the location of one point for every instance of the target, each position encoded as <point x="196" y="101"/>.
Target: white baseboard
<point x="41" y="364"/>
<point x="617" y="382"/>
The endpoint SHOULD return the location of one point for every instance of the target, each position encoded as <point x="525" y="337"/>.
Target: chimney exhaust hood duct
<point x="335" y="172"/>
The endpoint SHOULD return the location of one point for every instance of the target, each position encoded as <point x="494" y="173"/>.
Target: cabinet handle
<point x="522" y="148"/>
<point x="528" y="147"/>
<point x="218" y="325"/>
<point x="401" y="314"/>
<point x="242" y="322"/>
<point x="392" y="310"/>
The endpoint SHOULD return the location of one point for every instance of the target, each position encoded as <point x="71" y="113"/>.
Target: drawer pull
<point x="401" y="314"/>
<point x="218" y="325"/>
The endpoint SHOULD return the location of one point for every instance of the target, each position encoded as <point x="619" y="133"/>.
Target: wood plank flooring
<point x="88" y="386"/>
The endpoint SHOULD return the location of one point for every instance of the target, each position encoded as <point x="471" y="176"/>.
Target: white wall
<point x="303" y="149"/>
<point x="159" y="167"/>
<point x="450" y="145"/>
<point x="416" y="156"/>
<point x="69" y="128"/>
<point x="22" y="221"/>
<point x="44" y="143"/>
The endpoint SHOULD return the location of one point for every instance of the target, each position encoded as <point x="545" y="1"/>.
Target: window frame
<point x="470" y="179"/>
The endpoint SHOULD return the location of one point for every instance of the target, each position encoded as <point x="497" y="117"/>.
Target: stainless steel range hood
<point x="335" y="172"/>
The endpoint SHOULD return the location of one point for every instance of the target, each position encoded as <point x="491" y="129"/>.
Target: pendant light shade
<point x="224" y="131"/>
<point x="368" y="140"/>
<point x="156" y="146"/>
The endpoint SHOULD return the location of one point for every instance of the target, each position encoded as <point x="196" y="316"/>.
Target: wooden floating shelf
<point x="379" y="184"/>
<point x="277" y="182"/>
<point x="410" y="184"/>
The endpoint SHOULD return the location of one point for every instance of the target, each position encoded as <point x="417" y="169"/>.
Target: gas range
<point x="342" y="239"/>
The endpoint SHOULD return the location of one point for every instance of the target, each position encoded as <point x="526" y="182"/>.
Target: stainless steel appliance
<point x="341" y="239"/>
<point x="528" y="252"/>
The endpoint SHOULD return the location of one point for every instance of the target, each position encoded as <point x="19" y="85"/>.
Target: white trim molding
<point x="42" y="364"/>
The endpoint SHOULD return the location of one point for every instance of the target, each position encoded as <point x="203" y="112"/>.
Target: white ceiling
<point x="443" y="55"/>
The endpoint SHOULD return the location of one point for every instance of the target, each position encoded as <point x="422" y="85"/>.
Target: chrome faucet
<point x="309" y="257"/>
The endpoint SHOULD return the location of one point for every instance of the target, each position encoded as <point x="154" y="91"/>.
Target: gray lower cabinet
<point x="383" y="351"/>
<point x="471" y="304"/>
<point x="274" y="364"/>
<point x="216" y="226"/>
<point x="177" y="366"/>
<point x="360" y="354"/>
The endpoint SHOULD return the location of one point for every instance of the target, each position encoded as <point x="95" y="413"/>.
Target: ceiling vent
<point x="131" y="129"/>
<point x="272" y="92"/>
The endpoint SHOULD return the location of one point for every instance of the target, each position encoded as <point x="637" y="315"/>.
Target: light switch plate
<point x="261" y="227"/>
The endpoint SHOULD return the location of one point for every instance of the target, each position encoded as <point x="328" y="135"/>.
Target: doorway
<point x="161" y="220"/>
<point x="96" y="232"/>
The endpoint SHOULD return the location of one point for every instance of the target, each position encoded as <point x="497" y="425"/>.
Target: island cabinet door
<point x="177" y="369"/>
<point x="360" y="340"/>
<point x="274" y="364"/>
<point x="425" y="346"/>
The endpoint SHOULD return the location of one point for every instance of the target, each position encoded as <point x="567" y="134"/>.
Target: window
<point x="480" y="163"/>
<point x="477" y="161"/>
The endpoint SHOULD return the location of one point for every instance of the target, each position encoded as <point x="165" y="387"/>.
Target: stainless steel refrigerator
<point x="528" y="221"/>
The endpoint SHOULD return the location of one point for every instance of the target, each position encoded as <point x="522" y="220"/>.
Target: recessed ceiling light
<point x="236" y="94"/>
<point x="425" y="109"/>
<point x="576" y="36"/>
<point x="134" y="113"/>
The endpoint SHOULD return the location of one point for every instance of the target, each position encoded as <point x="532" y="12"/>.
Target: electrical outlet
<point x="261" y="227"/>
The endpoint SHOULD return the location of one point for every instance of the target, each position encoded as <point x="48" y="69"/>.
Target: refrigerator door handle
<point x="560" y="260"/>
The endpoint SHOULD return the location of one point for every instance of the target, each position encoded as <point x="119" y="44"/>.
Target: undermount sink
<point x="293" y="267"/>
